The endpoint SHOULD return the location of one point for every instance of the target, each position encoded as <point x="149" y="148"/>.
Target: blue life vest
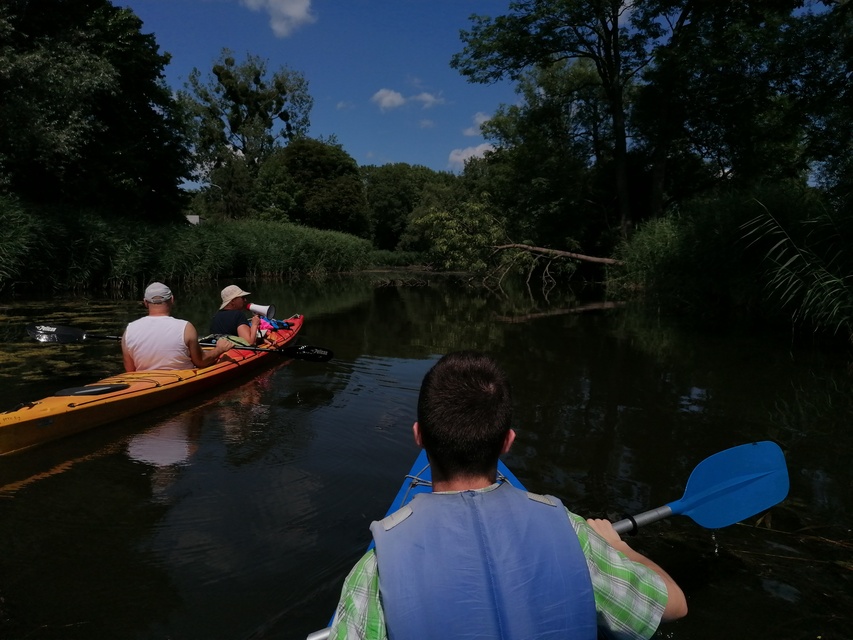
<point x="501" y="563"/>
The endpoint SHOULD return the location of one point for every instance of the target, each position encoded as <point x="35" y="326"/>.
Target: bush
<point x="697" y="262"/>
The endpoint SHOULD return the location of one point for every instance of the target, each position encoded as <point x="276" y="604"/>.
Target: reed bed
<point x="75" y="250"/>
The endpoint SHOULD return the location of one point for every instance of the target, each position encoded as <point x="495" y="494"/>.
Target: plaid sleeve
<point x="629" y="597"/>
<point x="359" y="614"/>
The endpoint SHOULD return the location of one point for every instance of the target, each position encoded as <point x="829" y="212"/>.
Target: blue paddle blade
<point x="734" y="484"/>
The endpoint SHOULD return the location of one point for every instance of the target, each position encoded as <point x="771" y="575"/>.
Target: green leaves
<point x="242" y="118"/>
<point x="809" y="267"/>
<point x="242" y="110"/>
<point x="461" y="238"/>
<point x="85" y="118"/>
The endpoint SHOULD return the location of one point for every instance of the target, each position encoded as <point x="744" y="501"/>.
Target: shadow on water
<point x="238" y="514"/>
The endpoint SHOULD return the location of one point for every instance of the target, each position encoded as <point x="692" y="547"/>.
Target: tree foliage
<point x="540" y="175"/>
<point x="540" y="33"/>
<point x="241" y="112"/>
<point x="677" y="83"/>
<point x="461" y="237"/>
<point x="329" y="192"/>
<point x="85" y="116"/>
<point x="393" y="192"/>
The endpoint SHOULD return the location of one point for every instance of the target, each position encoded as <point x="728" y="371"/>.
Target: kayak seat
<point x="91" y="390"/>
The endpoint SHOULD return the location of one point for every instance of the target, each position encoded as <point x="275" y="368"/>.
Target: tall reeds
<point x="808" y="266"/>
<point x="63" y="249"/>
<point x="17" y="243"/>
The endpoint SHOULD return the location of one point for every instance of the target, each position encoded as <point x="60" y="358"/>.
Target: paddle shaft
<point x="632" y="523"/>
<point x="301" y="352"/>
<point x="66" y="335"/>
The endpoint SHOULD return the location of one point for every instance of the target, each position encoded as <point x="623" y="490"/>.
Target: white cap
<point x="157" y="292"/>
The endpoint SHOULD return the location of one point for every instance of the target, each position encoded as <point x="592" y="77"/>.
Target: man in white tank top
<point x="159" y="341"/>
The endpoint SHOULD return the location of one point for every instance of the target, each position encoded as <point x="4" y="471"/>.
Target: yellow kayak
<point x="77" y="409"/>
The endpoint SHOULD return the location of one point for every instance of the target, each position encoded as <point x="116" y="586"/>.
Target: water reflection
<point x="236" y="515"/>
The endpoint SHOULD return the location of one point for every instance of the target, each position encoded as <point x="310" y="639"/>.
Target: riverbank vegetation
<point x="697" y="156"/>
<point x="86" y="252"/>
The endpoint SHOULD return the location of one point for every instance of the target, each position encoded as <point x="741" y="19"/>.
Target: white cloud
<point x="344" y="105"/>
<point x="457" y="158"/>
<point x="426" y="124"/>
<point x="479" y="119"/>
<point x="285" y="15"/>
<point x="428" y="99"/>
<point x="388" y="99"/>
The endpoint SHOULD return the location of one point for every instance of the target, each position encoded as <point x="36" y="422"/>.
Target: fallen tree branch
<point x="557" y="253"/>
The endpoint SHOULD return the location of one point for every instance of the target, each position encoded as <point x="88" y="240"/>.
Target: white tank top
<point x="157" y="342"/>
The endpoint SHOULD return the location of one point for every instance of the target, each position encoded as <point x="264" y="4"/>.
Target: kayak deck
<point x="77" y="409"/>
<point x="419" y="480"/>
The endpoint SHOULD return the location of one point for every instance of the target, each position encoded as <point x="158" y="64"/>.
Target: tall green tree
<point x="547" y="145"/>
<point x="719" y="88"/>
<point x="539" y="33"/>
<point x="393" y="191"/>
<point x="678" y="78"/>
<point x="241" y="111"/>
<point x="85" y="115"/>
<point x="443" y="192"/>
<point x="329" y="192"/>
<point x="459" y="237"/>
<point x="820" y="53"/>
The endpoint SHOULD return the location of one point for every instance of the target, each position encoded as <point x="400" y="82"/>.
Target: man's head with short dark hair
<point x="464" y="414"/>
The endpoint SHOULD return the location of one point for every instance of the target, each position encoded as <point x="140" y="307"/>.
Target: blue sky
<point x="378" y="70"/>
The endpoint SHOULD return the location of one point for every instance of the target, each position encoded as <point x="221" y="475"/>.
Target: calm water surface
<point x="238" y="514"/>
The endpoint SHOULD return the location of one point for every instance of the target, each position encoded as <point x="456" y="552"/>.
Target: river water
<point x="237" y="515"/>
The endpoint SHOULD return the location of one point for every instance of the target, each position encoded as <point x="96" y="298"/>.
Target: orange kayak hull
<point x="72" y="411"/>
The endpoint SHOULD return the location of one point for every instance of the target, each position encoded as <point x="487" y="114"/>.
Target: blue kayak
<point x="419" y="480"/>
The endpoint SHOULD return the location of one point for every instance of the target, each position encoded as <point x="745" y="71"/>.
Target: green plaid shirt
<point x="629" y="597"/>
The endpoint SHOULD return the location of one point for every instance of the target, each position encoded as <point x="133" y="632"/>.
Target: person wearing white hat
<point x="159" y="341"/>
<point x="231" y="320"/>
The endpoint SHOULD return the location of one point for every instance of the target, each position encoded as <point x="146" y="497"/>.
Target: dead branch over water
<point x="557" y="253"/>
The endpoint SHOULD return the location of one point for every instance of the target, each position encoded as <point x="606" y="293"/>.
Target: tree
<point x="539" y="33"/>
<point x="85" y="115"/>
<point x="820" y="52"/>
<point x="461" y="237"/>
<point x="546" y="148"/>
<point x="329" y="192"/>
<point x="241" y="112"/>
<point x="444" y="191"/>
<point x="275" y="192"/>
<point x="678" y="78"/>
<point x="393" y="191"/>
<point x="735" y="108"/>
